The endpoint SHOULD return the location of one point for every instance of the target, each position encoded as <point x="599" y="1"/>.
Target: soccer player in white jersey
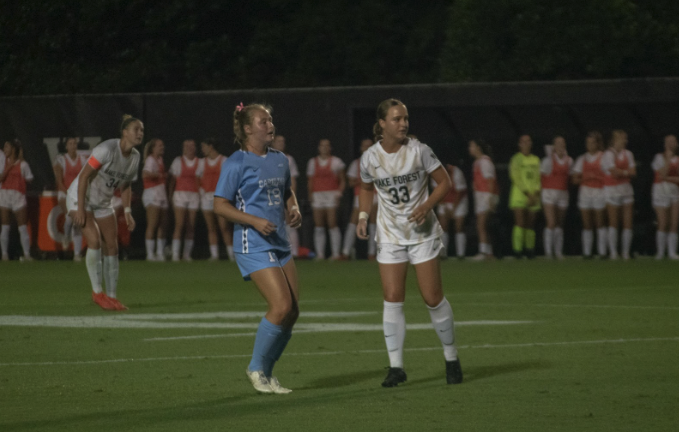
<point x="454" y="207"/>
<point x="407" y="232"/>
<point x="66" y="168"/>
<point x="13" y="179"/>
<point x="665" y="200"/>
<point x="293" y="235"/>
<point x="112" y="165"/>
<point x="354" y="179"/>
<point x="555" y="173"/>
<point x="155" y="200"/>
<point x="184" y="191"/>
<point x="619" y="168"/>
<point x="254" y="193"/>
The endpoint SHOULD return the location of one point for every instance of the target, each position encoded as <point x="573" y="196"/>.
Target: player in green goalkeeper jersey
<point x="524" y="199"/>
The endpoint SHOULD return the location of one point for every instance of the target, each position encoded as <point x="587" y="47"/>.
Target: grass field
<point x="545" y="346"/>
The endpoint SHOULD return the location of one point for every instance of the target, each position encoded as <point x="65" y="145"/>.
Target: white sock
<point x="160" y="248"/>
<point x="94" y="270"/>
<point x="558" y="242"/>
<point x="613" y="241"/>
<point x="660" y="242"/>
<point x="68" y="226"/>
<point x="626" y="242"/>
<point x="335" y="241"/>
<point x="111" y="270"/>
<point x="372" y="241"/>
<point x="77" y="241"/>
<point x="394" y="323"/>
<point x="672" y="244"/>
<point x="548" y="239"/>
<point x="188" y="248"/>
<point x="445" y="239"/>
<point x="461" y="244"/>
<point x="229" y="252"/>
<point x="176" y="247"/>
<point x="25" y="240"/>
<point x="349" y="239"/>
<point x="602" y="240"/>
<point x="444" y="325"/>
<point x="485" y="248"/>
<point x="214" y="251"/>
<point x="587" y="241"/>
<point x="293" y="235"/>
<point x="150" y="245"/>
<point x="319" y="242"/>
<point x="4" y="239"/>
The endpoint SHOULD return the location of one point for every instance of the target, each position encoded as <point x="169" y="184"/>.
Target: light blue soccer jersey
<point x="256" y="185"/>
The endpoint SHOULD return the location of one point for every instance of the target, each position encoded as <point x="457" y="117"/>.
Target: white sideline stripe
<point x="573" y="305"/>
<point x="335" y="327"/>
<point x="371" y="351"/>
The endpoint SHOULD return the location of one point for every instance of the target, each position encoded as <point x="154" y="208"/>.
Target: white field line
<point x="324" y="353"/>
<point x="340" y="327"/>
<point x="571" y="305"/>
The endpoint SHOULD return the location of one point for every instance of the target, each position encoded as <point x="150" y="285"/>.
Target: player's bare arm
<point x="365" y="202"/>
<point x="443" y="185"/>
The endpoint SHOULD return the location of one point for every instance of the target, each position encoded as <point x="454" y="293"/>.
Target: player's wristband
<point x="293" y="208"/>
<point x="128" y="210"/>
<point x="363" y="215"/>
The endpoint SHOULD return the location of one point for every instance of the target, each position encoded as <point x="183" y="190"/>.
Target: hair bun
<point x="126" y="116"/>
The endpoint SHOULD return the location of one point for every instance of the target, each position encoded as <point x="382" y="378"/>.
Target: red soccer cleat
<point x="116" y="304"/>
<point x="103" y="301"/>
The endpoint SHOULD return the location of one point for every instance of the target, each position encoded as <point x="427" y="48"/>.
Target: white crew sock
<point x="349" y="239"/>
<point x="25" y="240"/>
<point x="188" y="248"/>
<point x="626" y="242"/>
<point x="613" y="242"/>
<point x="150" y="245"/>
<point x="176" y="247"/>
<point x="4" y="239"/>
<point x="372" y="239"/>
<point x="335" y="241"/>
<point x="485" y="248"/>
<point x="558" y="242"/>
<point x="672" y="244"/>
<point x="587" y="241"/>
<point x="461" y="244"/>
<point x="160" y="248"/>
<point x="548" y="239"/>
<point x="319" y="242"/>
<point x="214" y="251"/>
<point x="68" y="226"/>
<point x="444" y="325"/>
<point x="229" y="252"/>
<point x="111" y="270"/>
<point x="394" y="324"/>
<point x="660" y="242"/>
<point x="293" y="235"/>
<point x="94" y="270"/>
<point x="77" y="241"/>
<point x="602" y="240"/>
<point x="445" y="239"/>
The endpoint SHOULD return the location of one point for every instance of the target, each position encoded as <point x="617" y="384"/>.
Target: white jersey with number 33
<point x="401" y="181"/>
<point x="115" y="171"/>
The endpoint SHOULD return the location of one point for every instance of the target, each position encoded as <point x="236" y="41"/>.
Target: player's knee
<point x="281" y="310"/>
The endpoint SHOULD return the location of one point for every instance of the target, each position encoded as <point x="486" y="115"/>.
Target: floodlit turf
<point x="599" y="351"/>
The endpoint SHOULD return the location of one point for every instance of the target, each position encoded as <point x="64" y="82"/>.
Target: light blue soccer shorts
<point x="251" y="262"/>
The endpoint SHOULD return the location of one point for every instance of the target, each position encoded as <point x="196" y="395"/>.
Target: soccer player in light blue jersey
<point x="254" y="192"/>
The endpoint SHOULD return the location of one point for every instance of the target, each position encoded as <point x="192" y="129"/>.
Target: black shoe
<point x="453" y="372"/>
<point x="530" y="254"/>
<point x="395" y="376"/>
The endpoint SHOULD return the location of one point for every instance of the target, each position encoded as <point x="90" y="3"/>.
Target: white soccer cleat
<point x="277" y="388"/>
<point x="77" y="258"/>
<point x="478" y="257"/>
<point x="259" y="381"/>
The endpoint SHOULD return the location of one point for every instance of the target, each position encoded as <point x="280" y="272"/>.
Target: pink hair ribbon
<point x="240" y="107"/>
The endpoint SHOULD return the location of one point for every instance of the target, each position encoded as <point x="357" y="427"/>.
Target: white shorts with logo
<point x="555" y="197"/>
<point x="485" y="202"/>
<point x="665" y="194"/>
<point x="116" y="202"/>
<point x="207" y="201"/>
<point x="389" y="253"/>
<point x="590" y="198"/>
<point x="461" y="210"/>
<point x="12" y="199"/>
<point x="99" y="212"/>
<point x="619" y="195"/>
<point x="186" y="200"/>
<point x="155" y="196"/>
<point x="325" y="200"/>
<point x="356" y="201"/>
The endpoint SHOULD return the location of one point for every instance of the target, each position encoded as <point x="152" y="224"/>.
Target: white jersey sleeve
<point x="459" y="180"/>
<point x="61" y="161"/>
<point x="338" y="165"/>
<point x="630" y="158"/>
<point x="26" y="171"/>
<point x="578" y="165"/>
<point x="607" y="162"/>
<point x="310" y="167"/>
<point x="353" y="171"/>
<point x="429" y="159"/>
<point x="294" y="171"/>
<point x="151" y="165"/>
<point x="487" y="168"/>
<point x="176" y="167"/>
<point x="658" y="162"/>
<point x="201" y="167"/>
<point x="546" y="165"/>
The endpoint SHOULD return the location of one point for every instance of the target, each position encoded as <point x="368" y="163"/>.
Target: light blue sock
<point x="262" y="354"/>
<point x="277" y="350"/>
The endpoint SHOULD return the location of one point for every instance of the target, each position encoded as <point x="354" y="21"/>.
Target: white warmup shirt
<point x="115" y="172"/>
<point x="401" y="180"/>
